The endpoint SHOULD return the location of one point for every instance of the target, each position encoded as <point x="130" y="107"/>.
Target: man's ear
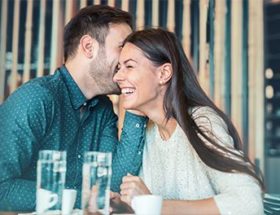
<point x="89" y="46"/>
<point x="166" y="72"/>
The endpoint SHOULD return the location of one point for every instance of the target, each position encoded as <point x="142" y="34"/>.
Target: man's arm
<point x="128" y="157"/>
<point x="22" y="126"/>
<point x="127" y="154"/>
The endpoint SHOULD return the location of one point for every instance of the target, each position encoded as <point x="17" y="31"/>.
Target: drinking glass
<point x="51" y="169"/>
<point x="96" y="182"/>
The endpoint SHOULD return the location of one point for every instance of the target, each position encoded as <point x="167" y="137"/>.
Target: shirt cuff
<point x="134" y="120"/>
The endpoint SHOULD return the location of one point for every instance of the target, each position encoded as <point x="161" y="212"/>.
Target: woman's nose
<point x="118" y="76"/>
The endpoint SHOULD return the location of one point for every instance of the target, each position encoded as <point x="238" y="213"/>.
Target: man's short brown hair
<point x="93" y="20"/>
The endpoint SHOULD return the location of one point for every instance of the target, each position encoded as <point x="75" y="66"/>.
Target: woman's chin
<point x="128" y="106"/>
<point x="131" y="108"/>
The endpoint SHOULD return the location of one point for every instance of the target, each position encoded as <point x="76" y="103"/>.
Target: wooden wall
<point x="223" y="38"/>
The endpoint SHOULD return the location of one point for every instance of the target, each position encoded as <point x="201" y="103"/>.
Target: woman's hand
<point x="132" y="186"/>
<point x="117" y="205"/>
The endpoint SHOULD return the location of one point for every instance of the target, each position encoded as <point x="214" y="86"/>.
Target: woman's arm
<point x="204" y="206"/>
<point x="236" y="194"/>
<point x="134" y="186"/>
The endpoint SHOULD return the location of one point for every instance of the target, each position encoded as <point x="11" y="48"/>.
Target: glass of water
<point x="96" y="182"/>
<point x="51" y="169"/>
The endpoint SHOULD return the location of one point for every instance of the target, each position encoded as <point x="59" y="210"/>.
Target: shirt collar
<point x="76" y="96"/>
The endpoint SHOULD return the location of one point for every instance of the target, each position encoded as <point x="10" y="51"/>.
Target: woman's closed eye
<point x="129" y="66"/>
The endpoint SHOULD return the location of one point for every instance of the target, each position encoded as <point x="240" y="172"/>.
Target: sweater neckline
<point x="170" y="139"/>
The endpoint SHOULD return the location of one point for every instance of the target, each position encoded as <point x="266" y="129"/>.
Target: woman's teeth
<point x="127" y="90"/>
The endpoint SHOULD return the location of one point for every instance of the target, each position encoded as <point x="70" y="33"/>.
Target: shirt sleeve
<point x="23" y="123"/>
<point x="128" y="158"/>
<point x="127" y="153"/>
<point x="237" y="193"/>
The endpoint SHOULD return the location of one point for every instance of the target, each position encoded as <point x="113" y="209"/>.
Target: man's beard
<point x="102" y="73"/>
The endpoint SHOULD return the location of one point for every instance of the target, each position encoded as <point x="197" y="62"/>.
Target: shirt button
<point x="145" y="126"/>
<point x="139" y="152"/>
<point x="79" y="156"/>
<point x="137" y="125"/>
<point x="85" y="104"/>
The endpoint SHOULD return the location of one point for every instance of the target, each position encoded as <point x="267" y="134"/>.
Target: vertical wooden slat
<point x="260" y="83"/>
<point x="252" y="81"/>
<point x="28" y="39"/>
<point x="148" y="14"/>
<point x="155" y="13"/>
<point x="3" y="36"/>
<point x="187" y="27"/>
<point x="41" y="45"/>
<point x="163" y="15"/>
<point x="211" y="20"/>
<point x="14" y="74"/>
<point x="111" y="3"/>
<point x="68" y="10"/>
<point x="256" y="81"/>
<point x="179" y="11"/>
<point x="125" y="5"/>
<point x="245" y="110"/>
<point x="236" y="64"/>
<point x="219" y="44"/>
<point x="97" y="2"/>
<point x="171" y="16"/>
<point x="195" y="14"/>
<point x="227" y="60"/>
<point x="140" y="15"/>
<point x="56" y="42"/>
<point x="203" y="46"/>
<point x="83" y="3"/>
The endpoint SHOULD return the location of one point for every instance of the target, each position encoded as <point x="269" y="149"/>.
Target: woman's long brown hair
<point x="184" y="92"/>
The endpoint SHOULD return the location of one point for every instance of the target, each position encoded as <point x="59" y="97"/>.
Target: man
<point x="68" y="111"/>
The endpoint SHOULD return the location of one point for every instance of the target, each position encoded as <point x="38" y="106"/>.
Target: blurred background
<point x="234" y="45"/>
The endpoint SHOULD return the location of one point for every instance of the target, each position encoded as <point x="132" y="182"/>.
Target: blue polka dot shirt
<point x="45" y="113"/>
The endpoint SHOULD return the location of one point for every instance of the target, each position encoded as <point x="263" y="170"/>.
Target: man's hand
<point x="132" y="186"/>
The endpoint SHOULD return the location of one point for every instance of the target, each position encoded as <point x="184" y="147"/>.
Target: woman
<point x="193" y="154"/>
